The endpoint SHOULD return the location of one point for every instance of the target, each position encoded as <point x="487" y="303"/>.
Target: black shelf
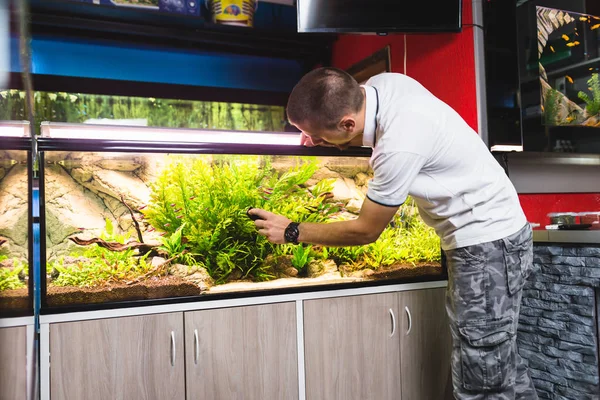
<point x="82" y="20"/>
<point x="14" y="143"/>
<point x="113" y="87"/>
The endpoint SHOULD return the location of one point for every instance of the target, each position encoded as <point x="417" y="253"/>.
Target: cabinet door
<point x="352" y="348"/>
<point x="13" y="363"/>
<point x="426" y="345"/>
<point x="245" y="353"/>
<point x="119" y="358"/>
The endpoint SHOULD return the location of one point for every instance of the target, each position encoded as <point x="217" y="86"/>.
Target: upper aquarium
<point x="570" y="92"/>
<point x="15" y="224"/>
<point x="139" y="213"/>
<point x="559" y="61"/>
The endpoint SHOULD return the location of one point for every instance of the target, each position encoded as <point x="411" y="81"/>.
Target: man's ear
<point x="348" y="124"/>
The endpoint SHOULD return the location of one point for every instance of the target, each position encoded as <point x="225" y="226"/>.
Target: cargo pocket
<point x="518" y="257"/>
<point x="487" y="355"/>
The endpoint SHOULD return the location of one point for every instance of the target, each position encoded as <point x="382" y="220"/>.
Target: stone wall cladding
<point x="558" y="327"/>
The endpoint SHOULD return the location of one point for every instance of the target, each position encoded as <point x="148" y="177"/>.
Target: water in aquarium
<point x="13" y="230"/>
<point x="125" y="226"/>
<point x="141" y="111"/>
<point x="568" y="49"/>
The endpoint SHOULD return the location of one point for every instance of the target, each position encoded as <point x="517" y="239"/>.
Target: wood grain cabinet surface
<point x="387" y="346"/>
<point x="352" y="348"/>
<point x="426" y="345"/>
<point x="242" y="353"/>
<point x="13" y="363"/>
<point x="126" y="358"/>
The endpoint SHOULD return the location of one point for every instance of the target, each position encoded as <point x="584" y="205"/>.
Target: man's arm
<point x="372" y="220"/>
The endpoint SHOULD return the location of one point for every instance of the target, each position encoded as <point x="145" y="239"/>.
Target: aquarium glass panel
<point x="568" y="50"/>
<point x="557" y="49"/>
<point x="14" y="231"/>
<point x="141" y="111"/>
<point x="124" y="226"/>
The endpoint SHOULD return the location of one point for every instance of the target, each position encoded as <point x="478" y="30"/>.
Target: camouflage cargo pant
<point x="485" y="286"/>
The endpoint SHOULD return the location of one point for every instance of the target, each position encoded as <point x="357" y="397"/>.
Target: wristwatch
<point x="291" y="233"/>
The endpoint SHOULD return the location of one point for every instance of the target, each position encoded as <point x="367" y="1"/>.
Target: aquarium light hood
<point x="141" y="139"/>
<point x="166" y="135"/>
<point x="14" y="129"/>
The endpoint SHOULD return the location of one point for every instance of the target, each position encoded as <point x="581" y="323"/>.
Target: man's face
<point x="324" y="137"/>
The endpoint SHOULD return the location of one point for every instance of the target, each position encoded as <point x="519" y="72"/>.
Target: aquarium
<point x="141" y="111"/>
<point x="570" y="86"/>
<point x="558" y="44"/>
<point x="135" y="213"/>
<point x="15" y="221"/>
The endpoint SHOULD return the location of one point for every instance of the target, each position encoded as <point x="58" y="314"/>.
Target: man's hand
<point x="372" y="220"/>
<point x="270" y="225"/>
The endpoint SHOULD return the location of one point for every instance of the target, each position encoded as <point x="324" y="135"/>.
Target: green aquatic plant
<point x="111" y="257"/>
<point x="97" y="266"/>
<point x="301" y="256"/>
<point x="551" y="101"/>
<point x="592" y="103"/>
<point x="100" y="271"/>
<point x="407" y="239"/>
<point x="418" y="245"/>
<point x="382" y="252"/>
<point x="345" y="255"/>
<point x="9" y="277"/>
<point x="175" y="248"/>
<point x="208" y="202"/>
<point x="201" y="206"/>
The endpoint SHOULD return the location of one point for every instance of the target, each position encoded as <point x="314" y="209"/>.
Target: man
<point x="423" y="148"/>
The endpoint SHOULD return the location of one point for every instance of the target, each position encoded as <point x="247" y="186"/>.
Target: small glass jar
<point x="563" y="218"/>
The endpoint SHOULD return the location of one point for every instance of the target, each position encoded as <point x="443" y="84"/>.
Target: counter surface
<point x="563" y="236"/>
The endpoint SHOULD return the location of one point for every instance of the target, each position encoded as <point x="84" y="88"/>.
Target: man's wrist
<point x="292" y="233"/>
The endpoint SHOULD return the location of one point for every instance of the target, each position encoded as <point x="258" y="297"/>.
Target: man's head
<point x="328" y="105"/>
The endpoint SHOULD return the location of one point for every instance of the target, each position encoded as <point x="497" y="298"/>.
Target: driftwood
<point x="115" y="246"/>
<point x="156" y="271"/>
<point x="135" y="222"/>
<point x="3" y="240"/>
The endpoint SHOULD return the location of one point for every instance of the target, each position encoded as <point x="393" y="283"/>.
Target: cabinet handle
<point x="196" y="347"/>
<point x="173" y="350"/>
<point x="393" y="322"/>
<point x="409" y="319"/>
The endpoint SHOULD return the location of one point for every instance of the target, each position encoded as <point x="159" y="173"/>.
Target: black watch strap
<point x="291" y="233"/>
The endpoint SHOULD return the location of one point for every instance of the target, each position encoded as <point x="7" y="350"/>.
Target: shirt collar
<point x="370" y="116"/>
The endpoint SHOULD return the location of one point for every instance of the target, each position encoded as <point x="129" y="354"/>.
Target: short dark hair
<point x="323" y="97"/>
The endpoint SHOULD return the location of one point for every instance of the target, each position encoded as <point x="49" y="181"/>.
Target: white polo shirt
<point x="423" y="148"/>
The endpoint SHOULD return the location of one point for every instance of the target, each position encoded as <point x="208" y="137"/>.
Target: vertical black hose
<point x="25" y="61"/>
<point x="23" y="19"/>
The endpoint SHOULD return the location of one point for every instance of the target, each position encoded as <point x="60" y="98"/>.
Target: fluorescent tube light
<point x="506" y="148"/>
<point x="179" y="135"/>
<point x="14" y="129"/>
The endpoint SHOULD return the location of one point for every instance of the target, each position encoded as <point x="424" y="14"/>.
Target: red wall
<point x="537" y="206"/>
<point x="445" y="64"/>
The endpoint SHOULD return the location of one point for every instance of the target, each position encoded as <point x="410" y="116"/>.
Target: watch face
<point x="291" y="233"/>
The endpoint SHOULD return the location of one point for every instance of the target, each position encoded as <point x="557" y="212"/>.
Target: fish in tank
<point x="14" y="230"/>
<point x="568" y="48"/>
<point x="131" y="226"/>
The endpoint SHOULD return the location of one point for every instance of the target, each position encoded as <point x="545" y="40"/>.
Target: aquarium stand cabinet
<point x="386" y="342"/>
<point x="17" y="357"/>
